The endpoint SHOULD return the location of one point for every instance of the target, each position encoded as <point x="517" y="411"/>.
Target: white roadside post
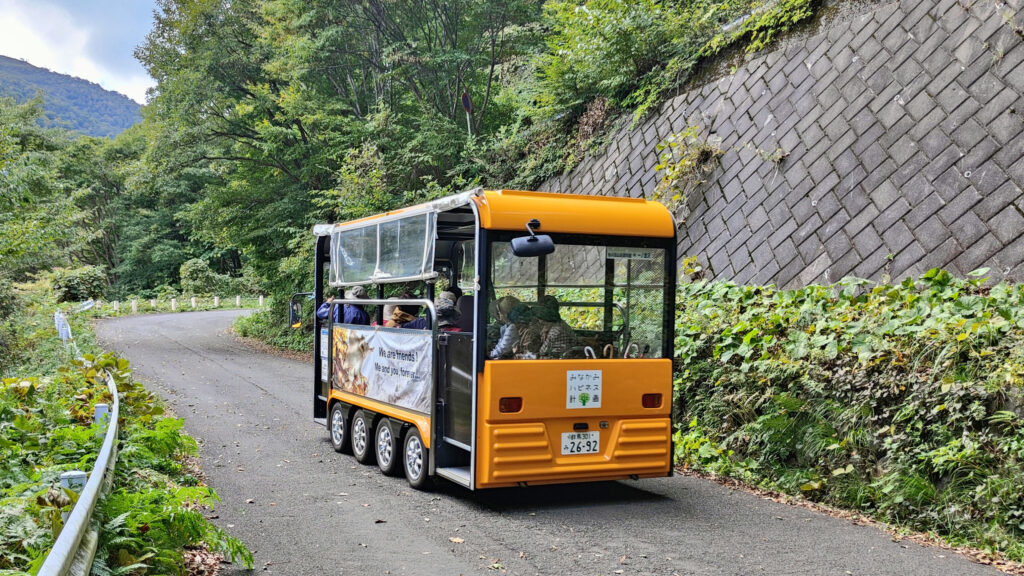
<point x="135" y="306"/>
<point x="238" y="301"/>
<point x="216" y="301"/>
<point x="261" y="300"/>
<point x="73" y="480"/>
<point x="174" y="304"/>
<point x="193" y="301"/>
<point x="117" y="306"/>
<point x="152" y="302"/>
<point x="100" y="416"/>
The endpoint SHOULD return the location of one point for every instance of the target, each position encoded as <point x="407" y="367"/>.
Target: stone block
<point x="934" y="143"/>
<point x="866" y="242"/>
<point x="977" y="254"/>
<point x="997" y="106"/>
<point x="923" y="210"/>
<point x="958" y="205"/>
<point x="909" y="169"/>
<point x="908" y="261"/>
<point x="968" y="228"/>
<point x="981" y="152"/>
<point x="1008" y="225"/>
<point x="931" y="233"/>
<point x="890" y="214"/>
<point x="865" y="140"/>
<point x="879" y="175"/>
<point x="903" y="149"/>
<point x="1005" y="127"/>
<point x="897" y="236"/>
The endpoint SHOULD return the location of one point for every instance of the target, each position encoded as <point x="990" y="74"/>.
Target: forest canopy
<point x="271" y="115"/>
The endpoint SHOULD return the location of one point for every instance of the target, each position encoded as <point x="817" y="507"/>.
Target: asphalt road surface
<point x="316" y="512"/>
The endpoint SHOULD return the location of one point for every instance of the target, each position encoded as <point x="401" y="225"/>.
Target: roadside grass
<point x="155" y="509"/>
<point x="903" y="402"/>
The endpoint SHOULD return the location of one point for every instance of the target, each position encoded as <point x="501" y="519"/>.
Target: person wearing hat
<point x="447" y="317"/>
<point x="508" y="333"/>
<point x="353" y="313"/>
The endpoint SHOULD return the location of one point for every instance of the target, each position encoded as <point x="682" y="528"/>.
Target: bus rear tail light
<point x="512" y="404"/>
<point x="652" y="400"/>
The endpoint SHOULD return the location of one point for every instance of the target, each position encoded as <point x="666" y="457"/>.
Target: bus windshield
<point x="585" y="300"/>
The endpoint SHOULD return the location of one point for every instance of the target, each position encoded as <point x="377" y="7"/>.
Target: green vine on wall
<point x="685" y="160"/>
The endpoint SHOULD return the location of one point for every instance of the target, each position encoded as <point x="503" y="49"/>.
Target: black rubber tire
<point x="361" y="435"/>
<point x="415" y="459"/>
<point x="388" y="448"/>
<point x="337" y="429"/>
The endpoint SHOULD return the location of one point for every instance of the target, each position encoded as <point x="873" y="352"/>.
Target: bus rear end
<point x="582" y="389"/>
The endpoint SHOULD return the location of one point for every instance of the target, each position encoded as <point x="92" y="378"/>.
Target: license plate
<point x="580" y="442"/>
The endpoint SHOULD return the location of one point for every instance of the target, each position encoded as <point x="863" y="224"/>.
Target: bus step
<point x="321" y="421"/>
<point x="457" y="474"/>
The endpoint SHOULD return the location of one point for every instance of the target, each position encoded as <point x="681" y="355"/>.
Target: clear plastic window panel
<point x="405" y="247"/>
<point x="467" y="265"/>
<point x="353" y="255"/>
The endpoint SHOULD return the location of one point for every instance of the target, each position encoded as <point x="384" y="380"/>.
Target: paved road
<point x="316" y="512"/>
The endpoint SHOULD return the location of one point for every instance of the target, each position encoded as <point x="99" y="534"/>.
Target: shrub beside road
<point x="902" y="401"/>
<point x="154" y="515"/>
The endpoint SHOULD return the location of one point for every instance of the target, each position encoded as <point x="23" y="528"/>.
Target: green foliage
<point x="155" y="508"/>
<point x="901" y="401"/>
<point x="71" y="103"/>
<point x="198" y="279"/>
<point x="266" y="325"/>
<point x="78" y="284"/>
<point x="685" y="159"/>
<point x="762" y="27"/>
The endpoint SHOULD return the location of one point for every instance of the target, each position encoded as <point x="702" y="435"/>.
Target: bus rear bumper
<point x="531" y="453"/>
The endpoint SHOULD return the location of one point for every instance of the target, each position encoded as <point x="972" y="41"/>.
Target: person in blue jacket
<point x="353" y="313"/>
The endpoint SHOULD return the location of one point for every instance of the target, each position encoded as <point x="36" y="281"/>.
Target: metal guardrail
<point x="75" y="547"/>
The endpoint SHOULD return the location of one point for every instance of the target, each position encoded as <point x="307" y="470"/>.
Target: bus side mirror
<point x="295" y="309"/>
<point x="533" y="245"/>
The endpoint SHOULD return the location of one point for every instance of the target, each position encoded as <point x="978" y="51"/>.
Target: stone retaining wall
<point x="903" y="131"/>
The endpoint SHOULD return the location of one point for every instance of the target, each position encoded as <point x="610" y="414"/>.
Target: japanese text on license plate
<point x="580" y="443"/>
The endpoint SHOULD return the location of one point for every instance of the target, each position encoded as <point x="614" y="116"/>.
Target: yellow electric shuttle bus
<point x="553" y="364"/>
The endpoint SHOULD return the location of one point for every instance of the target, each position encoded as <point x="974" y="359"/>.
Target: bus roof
<point x="574" y="213"/>
<point x="557" y="213"/>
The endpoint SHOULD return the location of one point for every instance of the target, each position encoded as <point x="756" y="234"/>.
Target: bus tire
<point x="362" y="437"/>
<point x="389" y="455"/>
<point x="337" y="428"/>
<point x="414" y="460"/>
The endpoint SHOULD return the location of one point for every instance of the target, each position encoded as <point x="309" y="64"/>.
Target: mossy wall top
<point x="886" y="144"/>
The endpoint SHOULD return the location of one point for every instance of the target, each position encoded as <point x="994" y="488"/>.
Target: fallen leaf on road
<point x="249" y="501"/>
<point x="456" y="540"/>
<point x="618" y="571"/>
<point x="342" y="493"/>
<point x="366" y="505"/>
<point x="379" y="521"/>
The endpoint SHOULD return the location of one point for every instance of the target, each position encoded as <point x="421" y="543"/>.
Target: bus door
<point x="455" y="381"/>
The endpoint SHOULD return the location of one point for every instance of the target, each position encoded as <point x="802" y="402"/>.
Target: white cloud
<point x="47" y="36"/>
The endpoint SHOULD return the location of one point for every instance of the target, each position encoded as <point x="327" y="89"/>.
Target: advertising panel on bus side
<point x="392" y="366"/>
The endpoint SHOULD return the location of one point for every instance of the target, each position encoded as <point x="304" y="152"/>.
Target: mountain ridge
<point x="70" y="102"/>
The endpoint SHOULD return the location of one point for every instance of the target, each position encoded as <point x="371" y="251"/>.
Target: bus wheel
<point x="388" y="458"/>
<point x="415" y="460"/>
<point x="362" y="446"/>
<point x="337" y="428"/>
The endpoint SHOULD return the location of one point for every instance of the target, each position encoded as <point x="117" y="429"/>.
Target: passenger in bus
<point x="447" y="316"/>
<point x="403" y="313"/>
<point x="557" y="337"/>
<point x="352" y="314"/>
<point x="508" y="333"/>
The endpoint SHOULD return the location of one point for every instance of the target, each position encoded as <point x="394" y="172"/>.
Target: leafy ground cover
<point x="152" y="521"/>
<point x="904" y="402"/>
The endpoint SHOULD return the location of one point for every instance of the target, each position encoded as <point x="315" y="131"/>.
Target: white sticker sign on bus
<point x="583" y="389"/>
<point x="624" y="253"/>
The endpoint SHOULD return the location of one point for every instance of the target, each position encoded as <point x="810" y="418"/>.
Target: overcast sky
<point x="91" y="39"/>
